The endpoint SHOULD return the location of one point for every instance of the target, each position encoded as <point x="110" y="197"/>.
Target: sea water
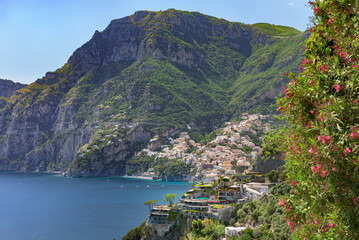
<point x="50" y="207"/>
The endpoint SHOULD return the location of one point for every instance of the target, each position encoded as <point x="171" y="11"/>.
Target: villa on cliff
<point x="215" y="201"/>
<point x="159" y="218"/>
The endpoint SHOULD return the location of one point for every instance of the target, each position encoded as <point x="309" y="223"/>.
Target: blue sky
<point x="40" y="35"/>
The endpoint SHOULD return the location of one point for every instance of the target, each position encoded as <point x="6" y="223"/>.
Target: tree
<point x="197" y="227"/>
<point x="320" y="141"/>
<point x="150" y="204"/>
<point x="169" y="198"/>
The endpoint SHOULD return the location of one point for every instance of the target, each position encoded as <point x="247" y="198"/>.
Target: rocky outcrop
<point x="266" y="97"/>
<point x="265" y="166"/>
<point x="8" y="88"/>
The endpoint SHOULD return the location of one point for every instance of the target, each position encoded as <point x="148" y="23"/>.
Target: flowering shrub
<point x="320" y="145"/>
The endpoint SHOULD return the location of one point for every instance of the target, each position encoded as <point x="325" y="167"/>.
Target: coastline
<point x="63" y="174"/>
<point x="45" y="172"/>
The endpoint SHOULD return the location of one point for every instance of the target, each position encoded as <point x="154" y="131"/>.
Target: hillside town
<point x="237" y="144"/>
<point x="216" y="165"/>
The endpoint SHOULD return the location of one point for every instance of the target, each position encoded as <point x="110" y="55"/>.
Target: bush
<point x="320" y="141"/>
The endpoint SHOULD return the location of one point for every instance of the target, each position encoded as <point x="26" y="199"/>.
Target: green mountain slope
<point x="262" y="74"/>
<point x="152" y="73"/>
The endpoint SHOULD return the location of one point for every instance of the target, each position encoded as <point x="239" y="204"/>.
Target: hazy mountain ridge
<point x="152" y="73"/>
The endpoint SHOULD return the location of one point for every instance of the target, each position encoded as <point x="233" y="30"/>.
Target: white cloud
<point x="292" y="4"/>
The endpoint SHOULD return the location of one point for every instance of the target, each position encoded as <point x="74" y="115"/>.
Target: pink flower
<point x="331" y="225"/>
<point x="289" y="224"/>
<point x="314" y="169"/>
<point x="307" y="61"/>
<point x="279" y="109"/>
<point x="311" y="83"/>
<point x="323" y="174"/>
<point x="337" y="87"/>
<point x="294" y="183"/>
<point x="290" y="147"/>
<point x="324" y="139"/>
<point x="300" y="68"/>
<point x="312" y="112"/>
<point x="316" y="222"/>
<point x="322" y="68"/>
<point x="322" y="119"/>
<point x="315" y="10"/>
<point x="290" y="105"/>
<point x="330" y="21"/>
<point x="281" y="203"/>
<point x="334" y="169"/>
<point x="347" y="150"/>
<point x="353" y="135"/>
<point x="311" y="150"/>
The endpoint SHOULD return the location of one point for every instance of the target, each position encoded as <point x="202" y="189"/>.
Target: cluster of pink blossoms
<point x="322" y="174"/>
<point x="347" y="150"/>
<point x="322" y="68"/>
<point x="353" y="135"/>
<point x="316" y="169"/>
<point x="330" y="225"/>
<point x="324" y="139"/>
<point x="337" y="87"/>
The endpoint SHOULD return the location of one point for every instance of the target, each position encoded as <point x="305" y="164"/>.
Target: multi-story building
<point x="159" y="218"/>
<point x="195" y="208"/>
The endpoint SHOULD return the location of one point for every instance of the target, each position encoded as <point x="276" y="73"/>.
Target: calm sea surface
<point x="49" y="207"/>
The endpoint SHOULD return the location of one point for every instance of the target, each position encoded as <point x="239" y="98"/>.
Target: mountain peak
<point x="148" y="74"/>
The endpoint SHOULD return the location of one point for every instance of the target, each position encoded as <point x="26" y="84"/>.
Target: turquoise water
<point x="44" y="206"/>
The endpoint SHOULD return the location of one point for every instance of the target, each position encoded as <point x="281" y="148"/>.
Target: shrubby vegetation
<point x="207" y="229"/>
<point x="168" y="169"/>
<point x="137" y="233"/>
<point x="203" y="139"/>
<point x="264" y="215"/>
<point x="320" y="142"/>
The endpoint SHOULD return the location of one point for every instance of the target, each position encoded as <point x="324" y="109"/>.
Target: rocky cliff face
<point x="144" y="75"/>
<point x="8" y="88"/>
<point x="265" y="166"/>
